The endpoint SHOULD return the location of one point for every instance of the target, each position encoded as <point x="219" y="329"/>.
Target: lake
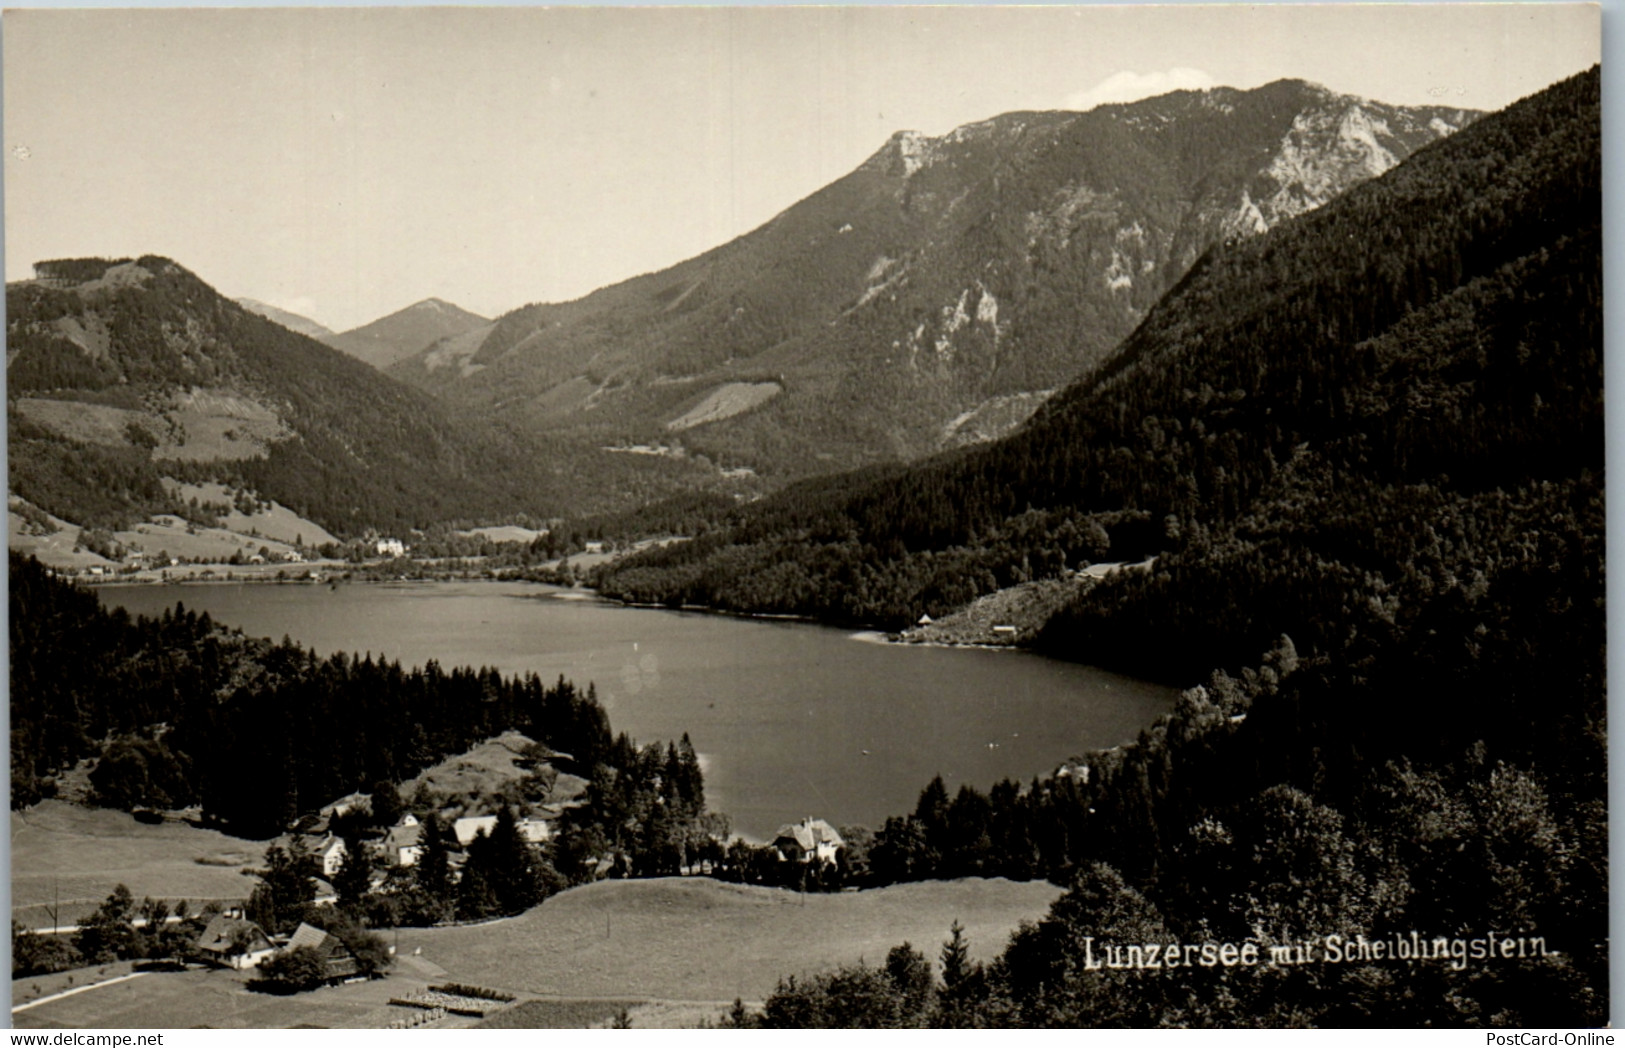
<point x="789" y="719"/>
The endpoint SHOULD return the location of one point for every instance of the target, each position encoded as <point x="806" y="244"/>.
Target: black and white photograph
<point x="807" y="517"/>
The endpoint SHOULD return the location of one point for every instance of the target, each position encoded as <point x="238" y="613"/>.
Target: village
<point x="469" y="842"/>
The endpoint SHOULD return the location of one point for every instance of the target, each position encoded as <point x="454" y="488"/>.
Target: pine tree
<point x="353" y="879"/>
<point x="511" y="865"/>
<point x="386" y="804"/>
<point x="287" y="885"/>
<point x="433" y="869"/>
<point x="955" y="958"/>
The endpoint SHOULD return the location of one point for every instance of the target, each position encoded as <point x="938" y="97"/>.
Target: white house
<point x="233" y="942"/>
<point x="469" y="827"/>
<point x="391" y="548"/>
<point x="537" y="829"/>
<point x="403" y="844"/>
<point x="808" y="841"/>
<point x="329" y="852"/>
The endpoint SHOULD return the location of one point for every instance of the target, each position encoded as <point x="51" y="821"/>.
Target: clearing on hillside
<point x="468" y="780"/>
<point x="726" y="401"/>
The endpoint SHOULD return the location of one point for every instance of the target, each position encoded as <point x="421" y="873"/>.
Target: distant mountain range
<point x="934" y="296"/>
<point x="385" y="340"/>
<point x="291" y="321"/>
<point x="1335" y="391"/>
<point x="122" y="373"/>
<point x="404" y="332"/>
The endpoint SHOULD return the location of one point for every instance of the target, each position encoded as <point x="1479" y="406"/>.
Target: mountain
<point x="1433" y="326"/>
<point x="291" y="321"/>
<point x="935" y="295"/>
<point x="404" y="332"/>
<point x="1366" y="449"/>
<point x="123" y="373"/>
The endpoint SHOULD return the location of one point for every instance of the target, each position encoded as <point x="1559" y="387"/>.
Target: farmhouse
<point x="811" y="839"/>
<point x="327" y="850"/>
<point x="537" y="829"/>
<point x="403" y="844"/>
<point x="337" y="960"/>
<point x="391" y="548"/>
<point x="232" y="942"/>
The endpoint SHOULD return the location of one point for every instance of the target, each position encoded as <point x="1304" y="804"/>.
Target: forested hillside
<point x="1368" y="447"/>
<point x="123" y="372"/>
<point x="181" y="711"/>
<point x="1437" y="327"/>
<point x="934" y="295"/>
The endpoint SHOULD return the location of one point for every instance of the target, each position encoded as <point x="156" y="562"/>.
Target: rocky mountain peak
<point x="950" y="277"/>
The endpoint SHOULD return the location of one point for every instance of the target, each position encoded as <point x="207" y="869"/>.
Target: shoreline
<point x="335" y="573"/>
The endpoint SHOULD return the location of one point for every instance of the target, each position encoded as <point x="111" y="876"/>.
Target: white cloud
<point x="1128" y="86"/>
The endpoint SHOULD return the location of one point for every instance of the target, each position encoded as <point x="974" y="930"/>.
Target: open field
<point x="210" y="425"/>
<point x="694" y="939"/>
<point x="56" y="549"/>
<point x="675" y="952"/>
<point x="34" y="987"/>
<point x="275" y="521"/>
<point x="506" y="533"/>
<point x="171" y="535"/>
<point x="1022" y="609"/>
<point x="75" y="855"/>
<point x="557" y="1015"/>
<point x="87" y="423"/>
<point x="726" y="401"/>
<point x="219" y="999"/>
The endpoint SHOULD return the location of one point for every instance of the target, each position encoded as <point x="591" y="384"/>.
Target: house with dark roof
<point x="339" y="962"/>
<point x="233" y="942"/>
<point x="322" y="848"/>
<point x="808" y="841"/>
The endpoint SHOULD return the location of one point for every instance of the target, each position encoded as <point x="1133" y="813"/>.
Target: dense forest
<point x="1368" y="448"/>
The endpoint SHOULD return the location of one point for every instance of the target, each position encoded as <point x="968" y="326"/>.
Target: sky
<point x="345" y="163"/>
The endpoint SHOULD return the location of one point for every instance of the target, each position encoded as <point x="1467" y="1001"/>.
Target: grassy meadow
<point x="698" y="940"/>
<point x="72" y="856"/>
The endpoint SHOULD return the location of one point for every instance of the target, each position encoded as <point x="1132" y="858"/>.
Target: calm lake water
<point x="789" y="719"/>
